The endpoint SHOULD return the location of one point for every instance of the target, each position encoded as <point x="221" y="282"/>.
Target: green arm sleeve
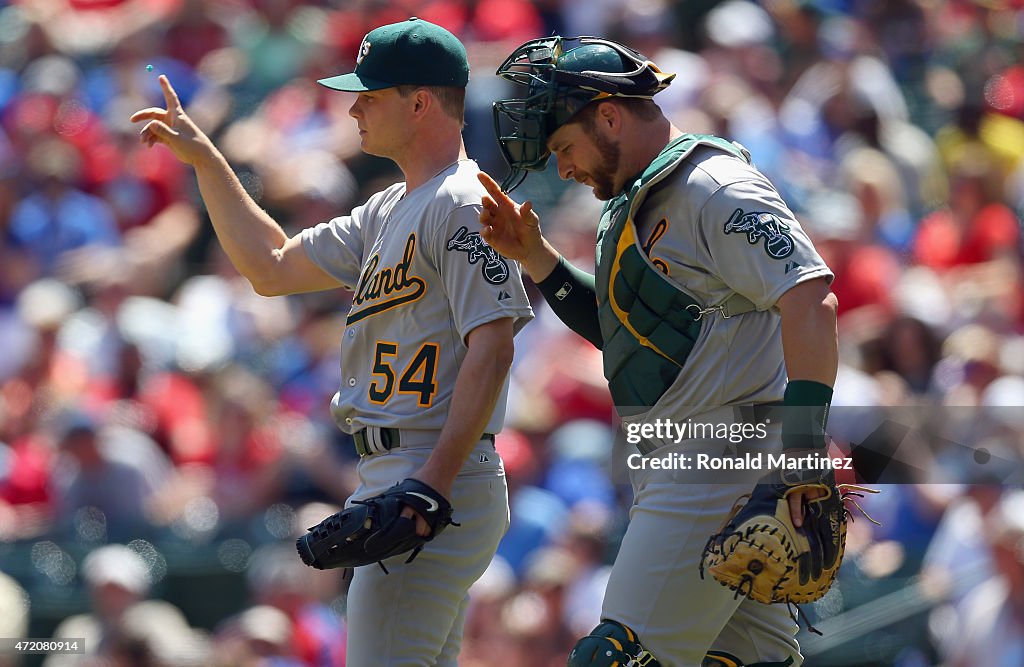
<point x="571" y="294"/>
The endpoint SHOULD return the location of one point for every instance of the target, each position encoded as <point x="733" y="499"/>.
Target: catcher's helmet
<point x="563" y="75"/>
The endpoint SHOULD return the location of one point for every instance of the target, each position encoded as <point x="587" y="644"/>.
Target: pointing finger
<point x="170" y="96"/>
<point x="488" y="182"/>
<point x="493" y="189"/>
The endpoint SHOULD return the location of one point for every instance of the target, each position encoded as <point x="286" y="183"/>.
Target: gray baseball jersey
<point x="422" y="279"/>
<point x="716" y="226"/>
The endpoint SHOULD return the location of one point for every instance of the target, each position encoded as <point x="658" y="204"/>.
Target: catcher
<point x="710" y="304"/>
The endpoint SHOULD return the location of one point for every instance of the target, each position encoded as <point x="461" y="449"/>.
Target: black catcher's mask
<point x="562" y="75"/>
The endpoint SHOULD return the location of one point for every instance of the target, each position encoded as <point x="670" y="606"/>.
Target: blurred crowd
<point x="160" y="422"/>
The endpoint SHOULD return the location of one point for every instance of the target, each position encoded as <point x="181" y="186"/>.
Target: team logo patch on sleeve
<point x="762" y="225"/>
<point x="494" y="268"/>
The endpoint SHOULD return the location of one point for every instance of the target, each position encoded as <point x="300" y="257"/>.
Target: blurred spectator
<point x="910" y="349"/>
<point x="976" y="227"/>
<point x="970" y="362"/>
<point x="197" y="30"/>
<point x="246" y="449"/>
<point x="870" y="176"/>
<point x="990" y="623"/>
<point x="125" y="626"/>
<point x="238" y="452"/>
<point x="278" y="579"/>
<point x="260" y="636"/>
<point x="57" y="217"/>
<point x="960" y="549"/>
<point x="865" y="269"/>
<point x="580" y="461"/>
<point x="272" y="41"/>
<point x="533" y="618"/>
<point x="483" y="636"/>
<point x="91" y="475"/>
<point x="588" y="540"/>
<point x="511" y="21"/>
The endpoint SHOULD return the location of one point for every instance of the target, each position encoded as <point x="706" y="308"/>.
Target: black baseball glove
<point x="374" y="529"/>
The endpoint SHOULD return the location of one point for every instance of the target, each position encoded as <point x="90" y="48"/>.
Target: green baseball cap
<point x="413" y="52"/>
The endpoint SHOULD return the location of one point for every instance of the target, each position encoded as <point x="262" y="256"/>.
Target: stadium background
<point x="148" y="398"/>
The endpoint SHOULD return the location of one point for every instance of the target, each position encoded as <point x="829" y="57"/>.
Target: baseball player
<point x="709" y="302"/>
<point x="428" y="339"/>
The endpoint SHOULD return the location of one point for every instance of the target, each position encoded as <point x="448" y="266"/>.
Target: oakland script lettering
<point x="387" y="288"/>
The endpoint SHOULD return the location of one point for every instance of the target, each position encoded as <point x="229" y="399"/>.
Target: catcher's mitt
<point x="374" y="529"/>
<point x="760" y="554"/>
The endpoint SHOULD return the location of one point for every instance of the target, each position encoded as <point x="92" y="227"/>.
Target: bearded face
<point x="602" y="175"/>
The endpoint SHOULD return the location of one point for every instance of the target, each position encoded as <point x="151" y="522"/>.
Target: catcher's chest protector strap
<point x="648" y="323"/>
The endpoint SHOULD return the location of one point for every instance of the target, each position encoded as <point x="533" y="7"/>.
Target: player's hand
<point x="510" y="228"/>
<point x="436" y="481"/>
<point x="798" y="499"/>
<point x="422" y="527"/>
<point x="173" y="128"/>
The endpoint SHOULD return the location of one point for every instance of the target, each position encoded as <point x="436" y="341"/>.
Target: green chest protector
<point x="649" y="325"/>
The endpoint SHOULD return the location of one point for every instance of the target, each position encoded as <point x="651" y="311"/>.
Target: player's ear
<point x="423" y="99"/>
<point x="608" y="115"/>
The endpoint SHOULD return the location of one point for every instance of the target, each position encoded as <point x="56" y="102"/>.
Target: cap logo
<point x="364" y="49"/>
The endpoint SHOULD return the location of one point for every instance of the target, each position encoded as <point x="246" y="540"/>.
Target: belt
<point x="728" y="414"/>
<point x="380" y="439"/>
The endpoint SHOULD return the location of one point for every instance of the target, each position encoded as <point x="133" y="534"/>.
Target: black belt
<point x="380" y="439"/>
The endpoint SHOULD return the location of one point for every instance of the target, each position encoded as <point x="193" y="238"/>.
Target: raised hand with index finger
<point x="173" y="128"/>
<point x="514" y="230"/>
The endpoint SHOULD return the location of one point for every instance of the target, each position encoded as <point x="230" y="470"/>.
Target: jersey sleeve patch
<point x="494" y="268"/>
<point x="762" y="225"/>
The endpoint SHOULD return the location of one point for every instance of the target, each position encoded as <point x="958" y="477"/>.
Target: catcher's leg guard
<point x="611" y="644"/>
<point x="722" y="659"/>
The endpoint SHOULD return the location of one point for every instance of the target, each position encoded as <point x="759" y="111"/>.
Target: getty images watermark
<point x="915" y="444"/>
<point x="666" y="431"/>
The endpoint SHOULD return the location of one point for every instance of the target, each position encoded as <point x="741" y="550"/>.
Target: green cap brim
<point x="354" y="83"/>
